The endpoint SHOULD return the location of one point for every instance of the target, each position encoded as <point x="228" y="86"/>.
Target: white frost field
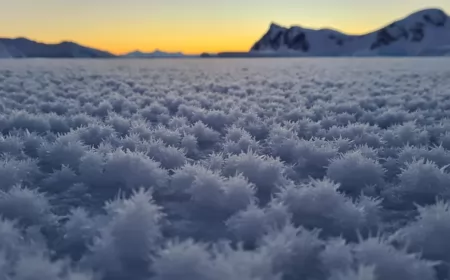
<point x="259" y="169"/>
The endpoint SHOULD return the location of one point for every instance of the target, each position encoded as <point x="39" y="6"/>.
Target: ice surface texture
<point x="270" y="169"/>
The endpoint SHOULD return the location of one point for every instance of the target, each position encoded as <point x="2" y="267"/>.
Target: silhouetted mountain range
<point x="23" y="48"/>
<point x="423" y="33"/>
<point x="426" y="32"/>
<point x="155" y="54"/>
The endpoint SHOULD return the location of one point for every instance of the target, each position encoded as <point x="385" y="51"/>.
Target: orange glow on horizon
<point x="121" y="42"/>
<point x="191" y="27"/>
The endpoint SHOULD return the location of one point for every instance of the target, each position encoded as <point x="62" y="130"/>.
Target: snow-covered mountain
<point x="425" y="32"/>
<point x="23" y="48"/>
<point x="155" y="54"/>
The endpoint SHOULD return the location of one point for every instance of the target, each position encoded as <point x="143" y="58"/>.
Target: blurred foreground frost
<point x="270" y="169"/>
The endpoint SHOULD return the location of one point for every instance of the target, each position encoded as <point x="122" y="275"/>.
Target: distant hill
<point x="25" y="48"/>
<point x="426" y="32"/>
<point x="155" y="54"/>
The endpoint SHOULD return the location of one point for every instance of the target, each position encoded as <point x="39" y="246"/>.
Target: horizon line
<point x="121" y="53"/>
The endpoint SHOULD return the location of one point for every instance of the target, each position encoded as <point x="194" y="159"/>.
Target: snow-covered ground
<point x="258" y="169"/>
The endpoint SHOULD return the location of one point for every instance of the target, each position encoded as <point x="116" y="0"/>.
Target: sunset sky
<point x="191" y="26"/>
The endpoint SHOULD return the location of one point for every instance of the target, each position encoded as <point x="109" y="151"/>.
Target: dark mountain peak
<point x="429" y="11"/>
<point x="68" y="43"/>
<point x="22" y="39"/>
<point x="275" y="26"/>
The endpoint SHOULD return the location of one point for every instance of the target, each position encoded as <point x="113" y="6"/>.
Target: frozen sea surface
<point x="249" y="169"/>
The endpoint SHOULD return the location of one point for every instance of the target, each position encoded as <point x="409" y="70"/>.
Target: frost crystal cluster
<point x="270" y="169"/>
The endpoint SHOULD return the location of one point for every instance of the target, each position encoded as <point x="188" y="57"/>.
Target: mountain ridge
<point x="22" y="47"/>
<point x="155" y="54"/>
<point x="424" y="32"/>
<point x="412" y="35"/>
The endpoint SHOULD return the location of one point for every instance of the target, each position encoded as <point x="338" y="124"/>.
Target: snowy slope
<point x="420" y="33"/>
<point x="22" y="47"/>
<point x="4" y="52"/>
<point x="155" y="54"/>
<point x="439" y="50"/>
